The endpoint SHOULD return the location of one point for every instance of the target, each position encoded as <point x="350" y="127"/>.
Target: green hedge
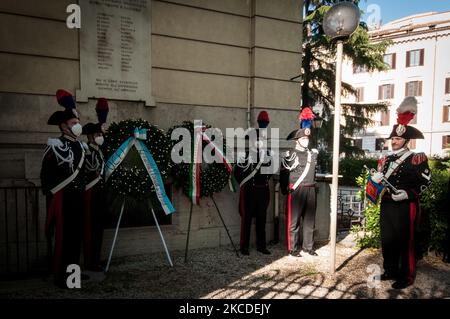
<point x="351" y="168"/>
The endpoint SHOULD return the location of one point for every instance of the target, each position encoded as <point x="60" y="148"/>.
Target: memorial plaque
<point x="115" y="50"/>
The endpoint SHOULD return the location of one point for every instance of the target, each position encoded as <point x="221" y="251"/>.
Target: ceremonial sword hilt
<point x="384" y="180"/>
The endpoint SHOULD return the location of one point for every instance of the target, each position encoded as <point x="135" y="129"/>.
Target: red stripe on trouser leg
<point x="411" y="256"/>
<point x="289" y="197"/>
<point x="242" y="213"/>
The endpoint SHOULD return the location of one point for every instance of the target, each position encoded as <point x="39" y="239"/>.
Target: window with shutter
<point x="445" y="141"/>
<point x="445" y="114"/>
<point x="415" y="57"/>
<point x="385" y="118"/>
<point x="389" y="60"/>
<point x="360" y="94"/>
<point x="386" y="91"/>
<point x="447" y="86"/>
<point x="413" y="88"/>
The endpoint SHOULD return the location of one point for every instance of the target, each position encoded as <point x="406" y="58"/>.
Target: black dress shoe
<point x="294" y="253"/>
<point x="263" y="251"/>
<point x="245" y="252"/>
<point x="311" y="252"/>
<point x="387" y="276"/>
<point x="400" y="284"/>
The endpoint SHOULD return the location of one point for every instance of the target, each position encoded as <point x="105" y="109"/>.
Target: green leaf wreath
<point x="213" y="176"/>
<point x="131" y="179"/>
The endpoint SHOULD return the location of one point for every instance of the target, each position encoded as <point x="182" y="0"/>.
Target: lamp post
<point x="339" y="23"/>
<point x="317" y="124"/>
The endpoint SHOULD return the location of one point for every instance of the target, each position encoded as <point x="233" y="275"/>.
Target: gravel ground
<point x="219" y="273"/>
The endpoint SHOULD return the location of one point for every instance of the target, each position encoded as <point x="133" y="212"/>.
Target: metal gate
<point x="23" y="246"/>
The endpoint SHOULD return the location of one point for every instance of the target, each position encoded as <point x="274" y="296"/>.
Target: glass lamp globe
<point x="341" y="20"/>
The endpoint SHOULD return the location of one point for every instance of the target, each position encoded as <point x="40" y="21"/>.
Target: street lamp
<point x="317" y="122"/>
<point x="338" y="23"/>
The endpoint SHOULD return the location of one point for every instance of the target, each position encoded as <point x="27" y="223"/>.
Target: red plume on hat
<point x="263" y="116"/>
<point x="405" y="113"/>
<point x="306" y="117"/>
<point x="65" y="99"/>
<point x="263" y="119"/>
<point x="407" y="110"/>
<point x="102" y="110"/>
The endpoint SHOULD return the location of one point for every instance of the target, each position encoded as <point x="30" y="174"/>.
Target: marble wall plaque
<point x="115" y="50"/>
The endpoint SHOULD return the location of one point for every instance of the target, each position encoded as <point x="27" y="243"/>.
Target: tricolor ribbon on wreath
<point x="119" y="155"/>
<point x="196" y="158"/>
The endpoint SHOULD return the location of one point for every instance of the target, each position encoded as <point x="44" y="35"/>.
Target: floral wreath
<point x="213" y="176"/>
<point x="131" y="178"/>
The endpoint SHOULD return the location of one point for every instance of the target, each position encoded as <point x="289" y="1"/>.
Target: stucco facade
<point x="219" y="61"/>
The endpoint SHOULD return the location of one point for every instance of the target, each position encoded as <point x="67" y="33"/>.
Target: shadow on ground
<point x="218" y="273"/>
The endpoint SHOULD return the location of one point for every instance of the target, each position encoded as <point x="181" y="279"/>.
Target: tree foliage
<point x="319" y="70"/>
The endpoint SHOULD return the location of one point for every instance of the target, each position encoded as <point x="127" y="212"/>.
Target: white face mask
<point x="303" y="142"/>
<point x="77" y="129"/>
<point x="99" y="140"/>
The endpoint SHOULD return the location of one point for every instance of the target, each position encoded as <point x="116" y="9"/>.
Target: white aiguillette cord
<point x="305" y="172"/>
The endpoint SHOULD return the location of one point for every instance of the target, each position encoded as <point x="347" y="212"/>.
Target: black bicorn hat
<point x="91" y="128"/>
<point x="66" y="100"/>
<point x="405" y="113"/>
<point x="410" y="132"/>
<point x="102" y="110"/>
<point x="296" y="134"/>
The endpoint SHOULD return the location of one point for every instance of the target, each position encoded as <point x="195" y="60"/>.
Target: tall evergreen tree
<point x="319" y="70"/>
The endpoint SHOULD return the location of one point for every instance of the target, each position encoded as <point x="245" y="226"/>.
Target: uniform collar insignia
<point x="94" y="146"/>
<point x="300" y="149"/>
<point x="68" y="137"/>
<point x="399" y="152"/>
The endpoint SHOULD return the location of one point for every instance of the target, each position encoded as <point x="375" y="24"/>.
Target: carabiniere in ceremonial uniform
<point x="407" y="175"/>
<point x="94" y="196"/>
<point x="254" y="193"/>
<point x="297" y="180"/>
<point x="62" y="180"/>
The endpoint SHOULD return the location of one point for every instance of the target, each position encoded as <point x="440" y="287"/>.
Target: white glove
<point x="377" y="177"/>
<point x="401" y="195"/>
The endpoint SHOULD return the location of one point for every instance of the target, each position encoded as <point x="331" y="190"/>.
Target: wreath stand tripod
<point x="117" y="230"/>
<point x="223" y="223"/>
